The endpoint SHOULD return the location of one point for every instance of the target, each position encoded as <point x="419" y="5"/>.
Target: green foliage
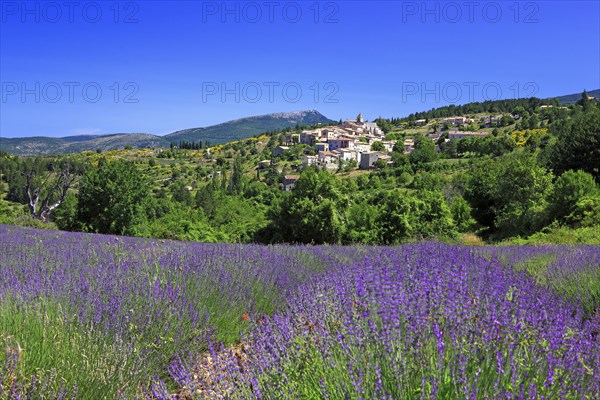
<point x="237" y="219"/>
<point x="399" y="158"/>
<point x="40" y="182"/>
<point x="402" y="216"/>
<point x="397" y="218"/>
<point x="206" y="198"/>
<point x="314" y="212"/>
<point x="380" y="164"/>
<point x="577" y="145"/>
<point x="362" y="223"/>
<point x="461" y="213"/>
<point x="560" y="235"/>
<point x="516" y="106"/>
<point x="505" y="191"/>
<point x="489" y="145"/>
<point x="179" y="223"/>
<point x="572" y="193"/>
<point x="509" y="196"/>
<point x="435" y="219"/>
<point x="383" y="124"/>
<point x="586" y="212"/>
<point x="110" y="197"/>
<point x="395" y="136"/>
<point x="405" y="179"/>
<point x="424" y="150"/>
<point x="377" y="146"/>
<point x="428" y="181"/>
<point x="237" y="177"/>
<point x="65" y="216"/>
<point x="181" y="193"/>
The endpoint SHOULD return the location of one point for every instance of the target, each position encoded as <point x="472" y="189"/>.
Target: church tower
<point x="359" y="118"/>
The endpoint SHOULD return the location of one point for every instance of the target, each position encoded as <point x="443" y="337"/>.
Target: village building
<point x="361" y="146"/>
<point x="389" y="145"/>
<point x="289" y="181"/>
<point x="264" y="164"/>
<point x="346" y="154"/>
<point x="308" y="161"/>
<point x="340" y="143"/>
<point x="322" y="146"/>
<point x="307" y="137"/>
<point x="292" y="139"/>
<point x="368" y="158"/>
<point x="327" y="157"/>
<point x="279" y="150"/>
<point x="455" y="120"/>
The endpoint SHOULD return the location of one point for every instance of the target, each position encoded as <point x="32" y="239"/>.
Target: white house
<point x="308" y="161"/>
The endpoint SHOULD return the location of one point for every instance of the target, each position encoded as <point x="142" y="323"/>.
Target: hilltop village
<point x="363" y="145"/>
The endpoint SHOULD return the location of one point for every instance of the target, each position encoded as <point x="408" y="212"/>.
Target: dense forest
<point x="534" y="176"/>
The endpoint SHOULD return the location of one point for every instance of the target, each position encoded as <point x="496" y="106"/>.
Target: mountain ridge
<point x="241" y="128"/>
<point x="233" y="130"/>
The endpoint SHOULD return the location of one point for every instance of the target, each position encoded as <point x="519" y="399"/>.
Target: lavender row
<point x="420" y="321"/>
<point x="154" y="299"/>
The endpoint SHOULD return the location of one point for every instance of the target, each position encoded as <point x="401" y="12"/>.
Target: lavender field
<point x="91" y="316"/>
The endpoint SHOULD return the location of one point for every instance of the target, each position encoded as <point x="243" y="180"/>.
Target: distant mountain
<point x="40" y="145"/>
<point x="572" y="98"/>
<point x="238" y="129"/>
<point x="244" y="128"/>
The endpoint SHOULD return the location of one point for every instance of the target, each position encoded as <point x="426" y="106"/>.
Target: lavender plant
<point x="420" y="321"/>
<point x="92" y="317"/>
<point x="105" y="314"/>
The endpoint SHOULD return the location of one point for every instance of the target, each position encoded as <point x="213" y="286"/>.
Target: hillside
<point x="439" y="162"/>
<point x="41" y="145"/>
<point x="244" y="128"/>
<point x="572" y="98"/>
<point x="238" y="129"/>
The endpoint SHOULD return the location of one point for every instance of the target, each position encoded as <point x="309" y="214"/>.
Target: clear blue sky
<point x="156" y="67"/>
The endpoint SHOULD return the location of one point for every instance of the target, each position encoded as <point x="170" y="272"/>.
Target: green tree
<point x="48" y="191"/>
<point x="110" y="197"/>
<point x="424" y="150"/>
<point x="509" y="196"/>
<point x="577" y="145"/>
<point x="461" y="213"/>
<point x="435" y="217"/>
<point x="383" y="124"/>
<point x="380" y="164"/>
<point x="585" y="101"/>
<point x="65" y="215"/>
<point x="362" y="223"/>
<point x="451" y="149"/>
<point x="377" y="146"/>
<point x="181" y="194"/>
<point x="398" y="216"/>
<point x="206" y="198"/>
<point x="428" y="181"/>
<point x="570" y="189"/>
<point x="314" y="212"/>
